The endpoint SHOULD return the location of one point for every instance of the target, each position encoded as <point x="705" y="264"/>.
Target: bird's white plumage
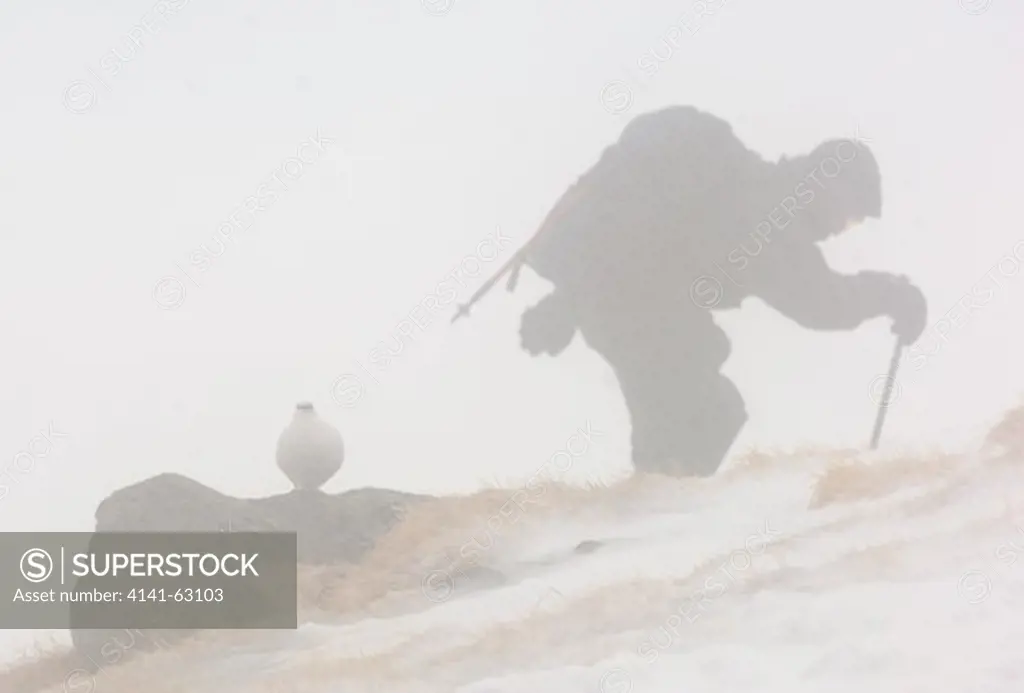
<point x="310" y="450"/>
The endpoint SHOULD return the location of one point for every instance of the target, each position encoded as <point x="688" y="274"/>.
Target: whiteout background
<point x="447" y="126"/>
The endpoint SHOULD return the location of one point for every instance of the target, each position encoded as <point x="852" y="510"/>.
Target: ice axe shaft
<point x="883" y="404"/>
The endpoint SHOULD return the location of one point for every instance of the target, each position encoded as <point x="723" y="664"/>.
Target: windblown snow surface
<point x="814" y="571"/>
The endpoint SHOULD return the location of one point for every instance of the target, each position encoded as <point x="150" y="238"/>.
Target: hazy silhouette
<point x="678" y="217"/>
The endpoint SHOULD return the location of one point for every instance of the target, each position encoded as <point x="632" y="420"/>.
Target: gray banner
<point x="147" y="580"/>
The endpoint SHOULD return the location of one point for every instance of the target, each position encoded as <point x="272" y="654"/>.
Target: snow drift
<point x="809" y="571"/>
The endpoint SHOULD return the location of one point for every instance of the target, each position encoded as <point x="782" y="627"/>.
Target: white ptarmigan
<point x="310" y="450"/>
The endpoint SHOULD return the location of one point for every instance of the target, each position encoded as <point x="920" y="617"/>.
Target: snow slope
<point x="821" y="571"/>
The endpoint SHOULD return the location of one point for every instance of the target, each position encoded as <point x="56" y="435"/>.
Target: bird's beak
<point x="851" y="223"/>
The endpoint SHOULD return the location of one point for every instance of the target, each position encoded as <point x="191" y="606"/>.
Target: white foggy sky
<point x="477" y="119"/>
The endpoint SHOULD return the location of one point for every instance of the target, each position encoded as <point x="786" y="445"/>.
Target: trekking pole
<point x="515" y="263"/>
<point x="883" y="405"/>
<point x="512" y="265"/>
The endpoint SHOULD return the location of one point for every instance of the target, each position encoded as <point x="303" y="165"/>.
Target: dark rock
<point x="330" y="529"/>
<point x="589" y="546"/>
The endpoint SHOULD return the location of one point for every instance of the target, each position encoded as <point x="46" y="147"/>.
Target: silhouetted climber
<point x="679" y="217"/>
